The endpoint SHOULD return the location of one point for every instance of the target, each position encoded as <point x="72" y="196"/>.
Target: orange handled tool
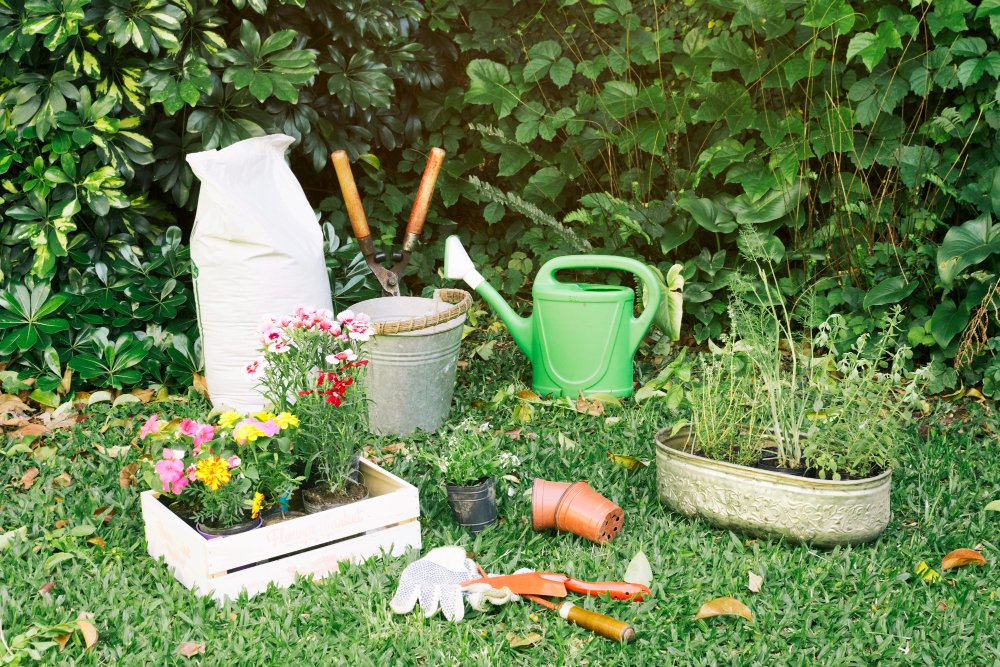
<point x="388" y="277"/>
<point x="600" y="624"/>
<point x="556" y="584"/>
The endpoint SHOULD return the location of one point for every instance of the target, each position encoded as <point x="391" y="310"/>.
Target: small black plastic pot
<point x="474" y="507"/>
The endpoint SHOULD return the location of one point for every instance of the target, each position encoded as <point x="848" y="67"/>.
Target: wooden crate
<point x="388" y="520"/>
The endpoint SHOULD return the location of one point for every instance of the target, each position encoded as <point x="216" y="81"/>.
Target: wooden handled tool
<point x="423" y="199"/>
<point x="352" y="200"/>
<point x="600" y="624"/>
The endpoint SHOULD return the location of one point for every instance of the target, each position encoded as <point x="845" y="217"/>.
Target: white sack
<point x="257" y="250"/>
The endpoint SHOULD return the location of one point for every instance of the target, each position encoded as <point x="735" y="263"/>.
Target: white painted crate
<point x="312" y="545"/>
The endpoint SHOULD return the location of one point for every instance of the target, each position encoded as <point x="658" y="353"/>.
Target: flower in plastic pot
<point x="471" y="459"/>
<point x="223" y="474"/>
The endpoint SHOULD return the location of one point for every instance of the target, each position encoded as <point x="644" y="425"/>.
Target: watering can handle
<point x="639" y="325"/>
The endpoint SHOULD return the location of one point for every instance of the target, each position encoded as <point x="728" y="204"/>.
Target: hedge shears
<point x="388" y="277"/>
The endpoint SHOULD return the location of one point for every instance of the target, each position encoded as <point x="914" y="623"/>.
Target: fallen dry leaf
<point x="462" y="364"/>
<point x="528" y="395"/>
<point x="29" y="430"/>
<point x="942" y="605"/>
<point x="98" y="541"/>
<point x="200" y="384"/>
<point x="724" y="607"/>
<point x="126" y="477"/>
<point x="626" y="461"/>
<point x="61" y="640"/>
<point x="46" y="588"/>
<point x="755" y="582"/>
<point x="28" y="478"/>
<point x="12" y="405"/>
<point x="593" y="408"/>
<point x="87" y="629"/>
<point x="191" y="649"/>
<point x="526" y="641"/>
<point x="104" y="513"/>
<point x="62" y="480"/>
<point x="61" y="523"/>
<point x="144" y="395"/>
<point x="960" y="557"/>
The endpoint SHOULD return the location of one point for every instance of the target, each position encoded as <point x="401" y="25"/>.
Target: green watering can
<point x="581" y="336"/>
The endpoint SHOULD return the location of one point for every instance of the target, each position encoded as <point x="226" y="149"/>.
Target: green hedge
<point x="861" y="141"/>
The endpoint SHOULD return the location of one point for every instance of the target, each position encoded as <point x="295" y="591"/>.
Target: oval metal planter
<point x="762" y="502"/>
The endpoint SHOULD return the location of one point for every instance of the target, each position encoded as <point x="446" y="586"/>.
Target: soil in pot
<point x="769" y="461"/>
<point x="210" y="532"/>
<point x="474" y="506"/>
<point x="277" y="516"/>
<point x="319" y="498"/>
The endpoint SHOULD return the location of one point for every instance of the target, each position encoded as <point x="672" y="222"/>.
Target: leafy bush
<point x="860" y="140"/>
<point x="99" y="103"/>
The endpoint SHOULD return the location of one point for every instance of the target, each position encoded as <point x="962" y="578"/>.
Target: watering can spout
<point x="458" y="266"/>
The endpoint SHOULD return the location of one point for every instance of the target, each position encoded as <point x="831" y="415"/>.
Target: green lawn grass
<point x="851" y="606"/>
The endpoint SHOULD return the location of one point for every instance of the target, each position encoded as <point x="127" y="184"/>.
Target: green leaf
<point x="890" y="290"/>
<point x="561" y="72"/>
<point x="489" y="83"/>
<point x="948" y="320"/>
<point x="993" y="506"/>
<point x="548" y="181"/>
<point x="966" y="245"/>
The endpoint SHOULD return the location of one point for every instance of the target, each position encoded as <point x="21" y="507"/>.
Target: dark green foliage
<point x="859" y="139"/>
<point x="100" y="102"/>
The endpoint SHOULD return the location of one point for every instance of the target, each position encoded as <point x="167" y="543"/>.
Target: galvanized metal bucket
<point x="412" y="359"/>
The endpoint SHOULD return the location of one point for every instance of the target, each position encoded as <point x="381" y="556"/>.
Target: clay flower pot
<point x="584" y="512"/>
<point x="545" y="498"/>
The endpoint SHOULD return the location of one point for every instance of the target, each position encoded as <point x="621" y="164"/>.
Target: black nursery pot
<point x="474" y="507"/>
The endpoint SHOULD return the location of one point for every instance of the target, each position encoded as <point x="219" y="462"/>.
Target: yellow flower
<point x="213" y="472"/>
<point x="287" y="420"/>
<point x="228" y="418"/>
<point x="263" y="416"/>
<point x="711" y="24"/>
<point x="247" y="433"/>
<point x="258" y="504"/>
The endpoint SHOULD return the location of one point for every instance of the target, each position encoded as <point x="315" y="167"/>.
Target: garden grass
<point x="860" y="605"/>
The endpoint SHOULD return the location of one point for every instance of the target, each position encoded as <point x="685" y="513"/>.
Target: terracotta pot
<point x="545" y="498"/>
<point x="584" y="512"/>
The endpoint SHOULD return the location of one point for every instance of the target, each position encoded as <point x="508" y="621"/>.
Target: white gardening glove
<point x="434" y="581"/>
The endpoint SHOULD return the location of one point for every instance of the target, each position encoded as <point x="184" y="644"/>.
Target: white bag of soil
<point x="257" y="250"/>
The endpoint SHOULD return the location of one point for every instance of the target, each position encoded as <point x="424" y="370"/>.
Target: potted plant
<point x="471" y="458"/>
<point x="788" y="434"/>
<point x="223" y="475"/>
<point x="312" y="361"/>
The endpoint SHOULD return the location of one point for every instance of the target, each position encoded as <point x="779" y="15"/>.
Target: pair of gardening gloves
<point x="434" y="580"/>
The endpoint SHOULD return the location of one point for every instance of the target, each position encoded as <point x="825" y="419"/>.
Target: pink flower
<point x="341" y="357"/>
<point x="152" y="425"/>
<point x="271" y="334"/>
<point x="204" y="434"/>
<point x="270" y="427"/>
<point x="256" y="367"/>
<point x="190" y="472"/>
<point x="171" y="471"/>
<point x="345" y="316"/>
<point x="234" y="461"/>
<point x="189" y="427"/>
<point x="278" y="347"/>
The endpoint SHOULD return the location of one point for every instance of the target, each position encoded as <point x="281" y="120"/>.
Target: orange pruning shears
<point x="388" y="277"/>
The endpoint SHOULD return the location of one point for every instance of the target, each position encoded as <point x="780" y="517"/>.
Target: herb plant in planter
<point x="222" y="476"/>
<point x="311" y="360"/>
<point x="470" y="460"/>
<point x="790" y="435"/>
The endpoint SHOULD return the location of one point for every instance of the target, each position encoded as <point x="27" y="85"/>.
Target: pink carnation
<point x="345" y="316"/>
<point x="341" y="357"/>
<point x="256" y="367"/>
<point x="152" y="425"/>
<point x="234" y="461"/>
<point x="171" y="471"/>
<point x="278" y="347"/>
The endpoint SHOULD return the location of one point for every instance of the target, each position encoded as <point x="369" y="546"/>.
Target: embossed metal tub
<point x="762" y="502"/>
